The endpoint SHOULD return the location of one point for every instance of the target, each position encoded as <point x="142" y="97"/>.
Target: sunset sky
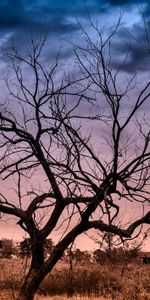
<point x="60" y="19"/>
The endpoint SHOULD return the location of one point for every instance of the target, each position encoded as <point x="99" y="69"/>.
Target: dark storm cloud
<point x="17" y="14"/>
<point x="54" y="15"/>
<point x="19" y="17"/>
<point x="135" y="44"/>
<point x="138" y="59"/>
<point x="124" y="2"/>
<point x="133" y="37"/>
<point x="58" y="17"/>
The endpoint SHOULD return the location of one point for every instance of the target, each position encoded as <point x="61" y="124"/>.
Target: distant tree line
<point x="9" y="249"/>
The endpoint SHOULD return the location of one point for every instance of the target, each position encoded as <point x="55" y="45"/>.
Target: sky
<point x="60" y="19"/>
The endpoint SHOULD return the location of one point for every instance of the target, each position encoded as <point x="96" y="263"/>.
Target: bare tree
<point x="63" y="177"/>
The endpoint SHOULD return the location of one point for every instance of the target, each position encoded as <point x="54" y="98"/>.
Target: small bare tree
<point x="76" y="150"/>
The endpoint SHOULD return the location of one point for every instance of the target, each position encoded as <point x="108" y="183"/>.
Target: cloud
<point x="135" y="42"/>
<point x="124" y="2"/>
<point x="58" y="17"/>
<point x="17" y="14"/>
<point x="52" y="14"/>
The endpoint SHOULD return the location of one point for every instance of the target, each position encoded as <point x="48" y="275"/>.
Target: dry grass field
<point x="97" y="282"/>
<point x="8" y="296"/>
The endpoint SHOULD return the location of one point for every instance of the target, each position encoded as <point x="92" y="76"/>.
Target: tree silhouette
<point x="75" y="148"/>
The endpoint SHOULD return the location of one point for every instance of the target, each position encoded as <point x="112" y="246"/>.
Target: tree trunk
<point x="39" y="269"/>
<point x="31" y="284"/>
<point x="37" y="273"/>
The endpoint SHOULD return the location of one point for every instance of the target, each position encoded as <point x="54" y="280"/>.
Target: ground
<point x="88" y="281"/>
